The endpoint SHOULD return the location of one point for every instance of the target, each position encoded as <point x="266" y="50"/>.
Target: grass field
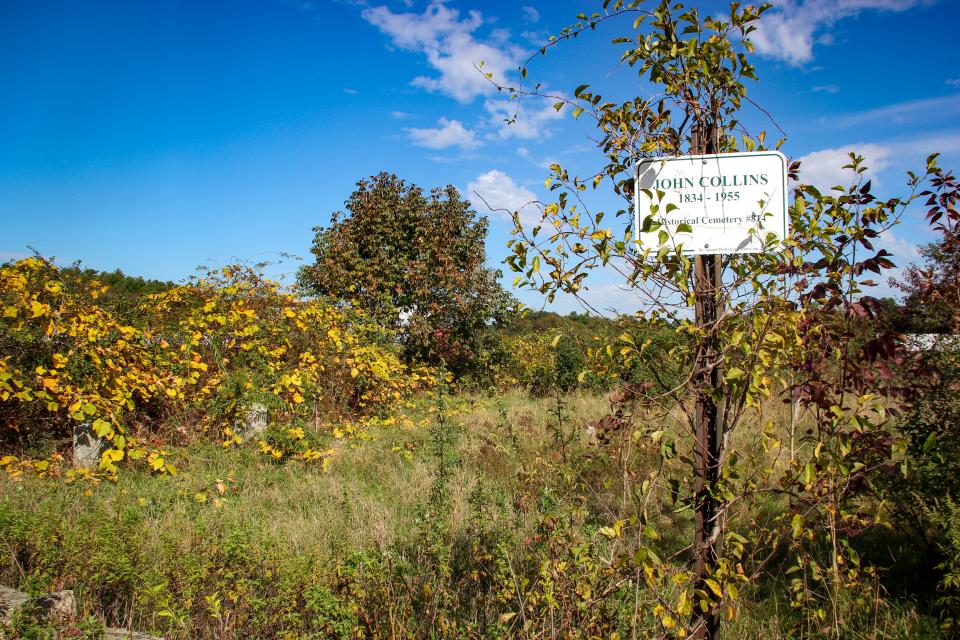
<point x="468" y="517"/>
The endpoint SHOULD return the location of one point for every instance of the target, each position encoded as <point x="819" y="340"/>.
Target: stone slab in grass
<point x="123" y="634"/>
<point x="58" y="605"/>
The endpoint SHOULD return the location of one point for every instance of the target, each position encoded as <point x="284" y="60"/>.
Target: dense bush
<point x="201" y="355"/>
<point x="571" y="353"/>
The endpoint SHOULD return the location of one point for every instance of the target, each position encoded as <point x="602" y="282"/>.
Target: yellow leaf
<point x="102" y="428"/>
<point x="715" y="587"/>
<point x="113" y="455"/>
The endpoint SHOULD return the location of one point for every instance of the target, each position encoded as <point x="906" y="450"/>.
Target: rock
<point x="10" y="601"/>
<point x="60" y="605"/>
<point x="255" y="422"/>
<point x="122" y="634"/>
<point x="87" y="447"/>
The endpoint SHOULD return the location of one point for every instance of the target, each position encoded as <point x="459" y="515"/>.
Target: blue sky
<point x="157" y="136"/>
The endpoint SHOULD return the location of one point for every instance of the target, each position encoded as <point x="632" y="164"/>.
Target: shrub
<point x="202" y="354"/>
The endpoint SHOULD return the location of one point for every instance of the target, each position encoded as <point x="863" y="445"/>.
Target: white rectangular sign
<point x="723" y="203"/>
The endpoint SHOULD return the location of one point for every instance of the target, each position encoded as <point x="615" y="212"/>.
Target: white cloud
<point x="823" y="169"/>
<point x="789" y="32"/>
<point x="531" y="122"/>
<point x="451" y="47"/>
<point x="611" y="299"/>
<point x="523" y="152"/>
<point x="502" y="195"/>
<point x="904" y="253"/>
<point x="536" y="37"/>
<point x="547" y="163"/>
<point x="903" y="249"/>
<point x="351" y="92"/>
<point x="450" y="133"/>
<point x="607" y="299"/>
<point x="530" y="14"/>
<point x="826" y="88"/>
<point x="953" y="82"/>
<point x="401" y="115"/>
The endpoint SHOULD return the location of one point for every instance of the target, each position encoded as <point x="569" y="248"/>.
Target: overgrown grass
<point x="438" y="526"/>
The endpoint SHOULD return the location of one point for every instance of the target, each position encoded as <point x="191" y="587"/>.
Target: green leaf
<point x="796" y="525"/>
<point x="930" y="442"/>
<point x="734" y="374"/>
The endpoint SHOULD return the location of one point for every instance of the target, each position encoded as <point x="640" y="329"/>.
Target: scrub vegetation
<point x="436" y="463"/>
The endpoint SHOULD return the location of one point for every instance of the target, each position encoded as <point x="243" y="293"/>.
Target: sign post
<point x="711" y="204"/>
<point x="707" y="205"/>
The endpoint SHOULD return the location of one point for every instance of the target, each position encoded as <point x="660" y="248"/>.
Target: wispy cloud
<point x="789" y="32"/>
<point x="953" y="82"/>
<point x="452" y="48"/>
<point x="826" y="88"/>
<point x="450" y="133"/>
<point x="11" y="256"/>
<point x="401" y="115"/>
<point x="351" y="92"/>
<point x="527" y="120"/>
<point x="530" y="14"/>
<point x="925" y="109"/>
<point x="503" y="196"/>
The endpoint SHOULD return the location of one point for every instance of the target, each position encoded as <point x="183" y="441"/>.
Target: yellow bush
<point x="201" y="351"/>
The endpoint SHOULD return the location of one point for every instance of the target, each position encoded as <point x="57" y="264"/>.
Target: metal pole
<point x="707" y="447"/>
